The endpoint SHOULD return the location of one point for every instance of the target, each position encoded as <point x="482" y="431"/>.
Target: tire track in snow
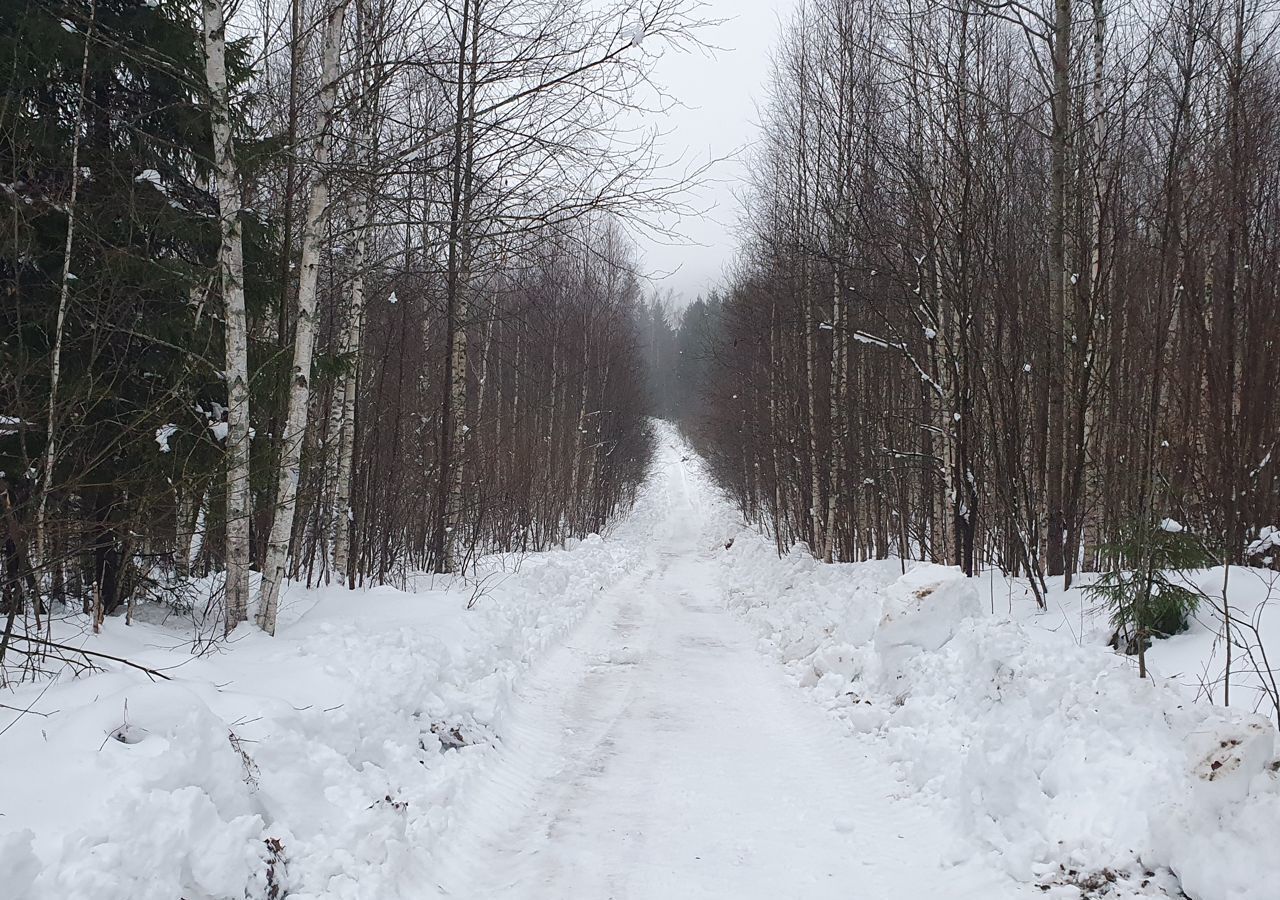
<point x="559" y="740"/>
<point x="657" y="754"/>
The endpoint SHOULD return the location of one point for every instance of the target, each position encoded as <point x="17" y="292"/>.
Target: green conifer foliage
<point x="1146" y="590"/>
<point x="140" y="387"/>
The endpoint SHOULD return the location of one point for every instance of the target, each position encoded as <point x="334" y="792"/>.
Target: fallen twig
<point x="92" y="653"/>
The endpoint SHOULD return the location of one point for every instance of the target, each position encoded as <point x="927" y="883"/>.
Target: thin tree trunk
<point x="837" y="393"/>
<point x="295" y="428"/>
<point x="346" y="435"/>
<point x="64" y="293"/>
<point x="776" y="431"/>
<point x="453" y="413"/>
<point x="1058" y="280"/>
<point x="231" y="271"/>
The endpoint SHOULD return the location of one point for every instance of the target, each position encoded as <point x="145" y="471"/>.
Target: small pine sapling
<point x="1143" y="590"/>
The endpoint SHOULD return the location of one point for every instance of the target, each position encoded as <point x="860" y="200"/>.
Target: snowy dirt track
<point x="658" y="754"/>
<point x="668" y="711"/>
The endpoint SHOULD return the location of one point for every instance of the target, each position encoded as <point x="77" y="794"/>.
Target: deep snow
<point x="1026" y="730"/>
<point x="329" y="742"/>
<point x="602" y="724"/>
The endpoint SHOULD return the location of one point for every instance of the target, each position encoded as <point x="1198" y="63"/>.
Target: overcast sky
<point x="718" y="90"/>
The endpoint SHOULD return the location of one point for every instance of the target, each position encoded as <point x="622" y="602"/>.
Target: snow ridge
<point x="1067" y="768"/>
<point x="325" y="763"/>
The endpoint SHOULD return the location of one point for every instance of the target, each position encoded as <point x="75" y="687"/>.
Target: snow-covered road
<point x="651" y="714"/>
<point x="658" y="754"/>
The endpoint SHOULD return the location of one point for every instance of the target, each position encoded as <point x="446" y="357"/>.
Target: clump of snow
<point x="163" y="433"/>
<point x="923" y="610"/>
<point x="221" y="429"/>
<point x="1268" y="540"/>
<point x="1173" y="526"/>
<point x="19" y="862"/>
<point x="1228" y="759"/>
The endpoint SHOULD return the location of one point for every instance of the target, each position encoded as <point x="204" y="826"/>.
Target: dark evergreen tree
<point x="140" y="392"/>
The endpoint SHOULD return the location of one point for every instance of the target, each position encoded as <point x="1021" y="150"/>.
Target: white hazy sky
<point x="717" y="90"/>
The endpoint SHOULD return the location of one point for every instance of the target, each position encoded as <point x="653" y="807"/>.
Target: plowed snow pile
<point x="323" y="763"/>
<point x="1047" y="747"/>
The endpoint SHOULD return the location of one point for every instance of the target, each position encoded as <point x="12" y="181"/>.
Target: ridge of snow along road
<point x="1041" y="742"/>
<point x="323" y="763"/>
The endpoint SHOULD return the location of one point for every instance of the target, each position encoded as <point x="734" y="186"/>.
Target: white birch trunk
<point x="295" y="427"/>
<point x="458" y="412"/>
<point x="64" y="293"/>
<point x="836" y="424"/>
<point x="346" y="434"/>
<point x="455" y="412"/>
<point x="231" y="272"/>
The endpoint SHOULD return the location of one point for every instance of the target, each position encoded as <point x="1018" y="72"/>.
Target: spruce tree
<point x="1146" y="591"/>
<point x="140" y="395"/>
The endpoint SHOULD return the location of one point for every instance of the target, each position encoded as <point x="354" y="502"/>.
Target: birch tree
<point x="64" y="290"/>
<point x="295" y="425"/>
<point x="231" y="276"/>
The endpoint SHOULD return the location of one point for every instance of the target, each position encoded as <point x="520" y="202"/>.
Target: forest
<point x="315" y="291"/>
<point x="347" y="291"/>
<point x="395" y="504"/>
<point x="1007" y="286"/>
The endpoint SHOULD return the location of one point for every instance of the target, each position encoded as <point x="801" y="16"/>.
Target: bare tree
<point x="231" y="274"/>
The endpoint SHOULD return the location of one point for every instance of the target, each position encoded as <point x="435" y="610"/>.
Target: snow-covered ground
<point x="602" y="724"/>
<point x="657" y="755"/>
<point x="325" y="761"/>
<point x="1027" y="731"/>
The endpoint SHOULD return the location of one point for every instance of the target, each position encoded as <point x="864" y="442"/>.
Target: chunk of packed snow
<point x="1268" y="539"/>
<point x="163" y="433"/>
<point x="924" y="609"/>
<point x="18" y="862"/>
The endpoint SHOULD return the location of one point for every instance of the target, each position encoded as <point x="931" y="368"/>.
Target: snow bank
<point x="325" y="763"/>
<point x="1052" y="753"/>
<point x="922" y="612"/>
